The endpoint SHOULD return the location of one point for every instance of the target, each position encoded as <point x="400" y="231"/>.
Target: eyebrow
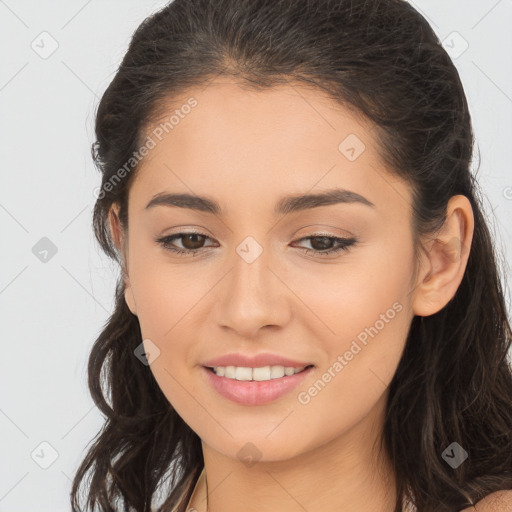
<point x="288" y="204"/>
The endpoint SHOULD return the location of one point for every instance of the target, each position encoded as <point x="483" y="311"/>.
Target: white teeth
<point x="277" y="371"/>
<point x="242" y="373"/>
<point x="229" y="372"/>
<point x="259" y="374"/>
<point x="263" y="373"/>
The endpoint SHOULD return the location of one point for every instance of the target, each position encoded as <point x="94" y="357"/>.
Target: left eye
<point x="192" y="243"/>
<point x="343" y="244"/>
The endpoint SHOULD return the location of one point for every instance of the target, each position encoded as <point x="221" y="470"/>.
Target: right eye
<point x="192" y="239"/>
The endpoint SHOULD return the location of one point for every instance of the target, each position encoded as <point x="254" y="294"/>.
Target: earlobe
<point x="445" y="259"/>
<point x="130" y="301"/>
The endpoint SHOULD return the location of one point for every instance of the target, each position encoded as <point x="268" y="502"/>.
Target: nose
<point x="253" y="295"/>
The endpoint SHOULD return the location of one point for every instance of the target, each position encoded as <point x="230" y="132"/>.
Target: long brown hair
<point x="380" y="57"/>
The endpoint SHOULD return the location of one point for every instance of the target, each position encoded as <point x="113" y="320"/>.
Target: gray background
<point x="52" y="311"/>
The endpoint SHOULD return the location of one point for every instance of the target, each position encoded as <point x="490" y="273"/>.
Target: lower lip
<point x="250" y="392"/>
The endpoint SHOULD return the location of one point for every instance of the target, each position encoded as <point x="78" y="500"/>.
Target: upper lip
<point x="254" y="361"/>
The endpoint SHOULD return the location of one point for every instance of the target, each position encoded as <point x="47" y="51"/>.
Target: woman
<point x="309" y="315"/>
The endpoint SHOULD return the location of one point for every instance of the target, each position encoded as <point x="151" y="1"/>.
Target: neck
<point x="349" y="469"/>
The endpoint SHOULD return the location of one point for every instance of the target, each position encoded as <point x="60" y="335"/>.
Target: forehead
<point x="223" y="139"/>
<point x="293" y="112"/>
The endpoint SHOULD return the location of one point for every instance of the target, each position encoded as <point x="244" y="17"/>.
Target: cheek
<point x="169" y="298"/>
<point x="360" y="362"/>
<point x="352" y="293"/>
<point x="166" y="292"/>
<point x="365" y="312"/>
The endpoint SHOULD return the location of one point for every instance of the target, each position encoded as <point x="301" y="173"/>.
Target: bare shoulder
<point x="499" y="501"/>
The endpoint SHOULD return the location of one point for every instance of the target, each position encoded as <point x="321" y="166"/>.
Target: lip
<point x="254" y="392"/>
<point x="255" y="361"/>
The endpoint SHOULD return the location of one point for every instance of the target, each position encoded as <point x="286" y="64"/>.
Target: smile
<point x="255" y="386"/>
<point x="259" y="374"/>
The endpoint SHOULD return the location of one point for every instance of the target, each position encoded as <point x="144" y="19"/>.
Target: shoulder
<point x="499" y="501"/>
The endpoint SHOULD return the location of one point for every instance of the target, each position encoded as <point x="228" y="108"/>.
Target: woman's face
<point x="255" y="281"/>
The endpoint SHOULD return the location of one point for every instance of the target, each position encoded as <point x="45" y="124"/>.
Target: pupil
<point x="195" y="244"/>
<point x="324" y="242"/>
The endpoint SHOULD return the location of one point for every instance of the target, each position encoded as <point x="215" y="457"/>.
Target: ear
<point x="122" y="248"/>
<point x="445" y="258"/>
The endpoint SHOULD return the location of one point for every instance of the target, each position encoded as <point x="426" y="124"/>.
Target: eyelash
<point x="344" y="244"/>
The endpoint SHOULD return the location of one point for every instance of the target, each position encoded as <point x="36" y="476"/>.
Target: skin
<point x="246" y="149"/>
<point x="500" y="501"/>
